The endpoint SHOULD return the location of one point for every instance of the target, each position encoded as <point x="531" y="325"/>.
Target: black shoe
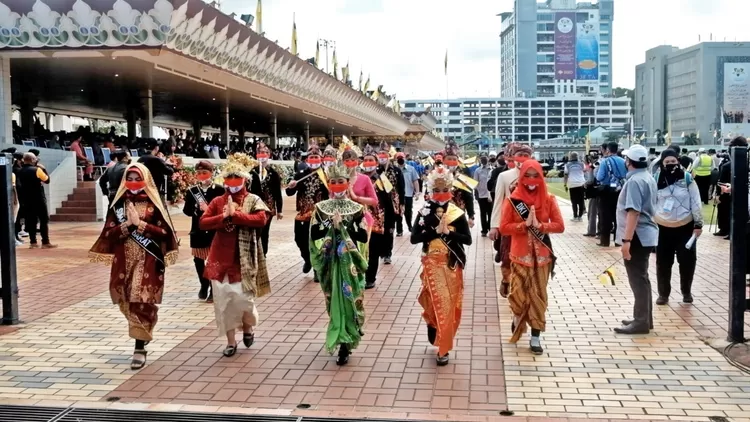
<point x="603" y="245"/>
<point x="484" y="234"/>
<point x="630" y="321"/>
<point x="230" y="350"/>
<point x="343" y="355"/>
<point x="688" y="298"/>
<point x="248" y="339"/>
<point x="721" y="234"/>
<point x="431" y="334"/>
<point x="631" y="329"/>
<point x="442" y="360"/>
<point x="306" y="267"/>
<point x="387" y="260"/>
<point x="727" y="237"/>
<point x="661" y="300"/>
<point x="589" y="235"/>
<point x="203" y="293"/>
<point x="399" y="235"/>
<point x="370" y="285"/>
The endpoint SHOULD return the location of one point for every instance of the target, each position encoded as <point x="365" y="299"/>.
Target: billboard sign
<point x="587" y="53"/>
<point x="736" y="103"/>
<point x="565" y="46"/>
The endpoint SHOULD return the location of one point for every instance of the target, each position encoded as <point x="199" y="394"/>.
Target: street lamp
<point x="326" y="44"/>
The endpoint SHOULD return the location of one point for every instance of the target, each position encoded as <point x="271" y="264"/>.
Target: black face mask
<point x="483" y="161"/>
<point x="400" y="161"/>
<point x="492" y="160"/>
<point x="670" y="168"/>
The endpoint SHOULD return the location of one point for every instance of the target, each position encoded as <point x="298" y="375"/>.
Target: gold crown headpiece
<point x="439" y="178"/>
<point x="338" y="172"/>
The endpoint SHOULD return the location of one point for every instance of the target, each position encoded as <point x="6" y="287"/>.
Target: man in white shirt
<point x="515" y="154"/>
<point x="574" y="180"/>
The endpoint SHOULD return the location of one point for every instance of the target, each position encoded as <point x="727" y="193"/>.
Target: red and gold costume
<point x="136" y="281"/>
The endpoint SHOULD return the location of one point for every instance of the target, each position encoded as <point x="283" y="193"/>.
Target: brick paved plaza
<point x="73" y="347"/>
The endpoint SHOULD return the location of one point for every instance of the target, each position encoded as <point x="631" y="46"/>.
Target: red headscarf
<point x="536" y="197"/>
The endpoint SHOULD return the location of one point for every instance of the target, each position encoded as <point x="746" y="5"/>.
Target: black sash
<point x="147" y="244"/>
<point x="523" y="211"/>
<point x="198" y="195"/>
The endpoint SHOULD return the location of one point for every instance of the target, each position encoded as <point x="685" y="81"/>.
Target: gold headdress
<point x="243" y="160"/>
<point x="330" y="151"/>
<point x="369" y="150"/>
<point x="234" y="168"/>
<point x="338" y="172"/>
<point x="347" y="145"/>
<point x="439" y="178"/>
<point x="451" y="148"/>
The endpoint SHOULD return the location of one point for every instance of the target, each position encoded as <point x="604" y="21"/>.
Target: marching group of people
<point x="350" y="206"/>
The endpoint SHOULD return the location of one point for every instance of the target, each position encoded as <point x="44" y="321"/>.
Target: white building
<point x="522" y="119"/>
<point x="556" y="48"/>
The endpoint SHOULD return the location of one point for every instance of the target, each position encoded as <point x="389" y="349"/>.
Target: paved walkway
<point x="74" y="348"/>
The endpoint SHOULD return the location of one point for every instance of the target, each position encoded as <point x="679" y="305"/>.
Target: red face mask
<point x="442" y="196"/>
<point x="350" y="164"/>
<point x="234" y="182"/>
<point x="135" y="185"/>
<point x="520" y="160"/>
<point x="451" y="163"/>
<point x="338" y="187"/>
<point x="315" y="160"/>
<point x="369" y="162"/>
<point x="383" y="156"/>
<point x="511" y="164"/>
<point x="203" y="176"/>
<point x="262" y="155"/>
<point x="329" y="159"/>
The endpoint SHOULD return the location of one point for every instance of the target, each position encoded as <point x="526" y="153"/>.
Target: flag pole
<point x="447" y="103"/>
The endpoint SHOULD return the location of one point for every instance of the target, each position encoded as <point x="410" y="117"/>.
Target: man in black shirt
<point x="112" y="177"/>
<point x="156" y="166"/>
<point x="33" y="177"/>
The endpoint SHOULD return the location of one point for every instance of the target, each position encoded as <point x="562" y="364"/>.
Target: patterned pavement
<point x="73" y="347"/>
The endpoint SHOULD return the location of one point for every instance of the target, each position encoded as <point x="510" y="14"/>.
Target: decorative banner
<point x="565" y="46"/>
<point x="587" y="53"/>
<point x="736" y="108"/>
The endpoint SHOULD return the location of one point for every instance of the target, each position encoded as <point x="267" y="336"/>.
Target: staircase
<point x="80" y="206"/>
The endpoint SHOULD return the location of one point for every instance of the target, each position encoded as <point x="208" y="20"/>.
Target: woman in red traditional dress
<point x="236" y="263"/>
<point x="139" y="242"/>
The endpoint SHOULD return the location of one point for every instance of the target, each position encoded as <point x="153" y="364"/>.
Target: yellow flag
<point x="384" y="184"/>
<point x="669" y="132"/>
<point x="367" y="85"/>
<point x="294" y="36"/>
<point x="259" y="17"/>
<point x="322" y="176"/>
<point x="588" y="141"/>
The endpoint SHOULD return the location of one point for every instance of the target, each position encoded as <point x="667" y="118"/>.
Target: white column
<point x="6" y="112"/>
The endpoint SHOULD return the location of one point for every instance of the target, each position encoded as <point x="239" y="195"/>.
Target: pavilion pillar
<point x="130" y="119"/>
<point x="6" y="112"/>
<point x="225" y="124"/>
<point x="48" y="124"/>
<point x="27" y="116"/>
<point x="307" y="133"/>
<point x="147" y="122"/>
<point x="275" y="128"/>
<point x="197" y="129"/>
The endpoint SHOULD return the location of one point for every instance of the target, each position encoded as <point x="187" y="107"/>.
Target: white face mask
<point x="369" y="169"/>
<point x="234" y="189"/>
<point x="135" y="192"/>
<point x="327" y="164"/>
<point x="263" y="160"/>
<point x="314" y="166"/>
<point x="383" y="161"/>
<point x="442" y="202"/>
<point x="452" y="168"/>
<point x="531" y="187"/>
<point x="339" y="195"/>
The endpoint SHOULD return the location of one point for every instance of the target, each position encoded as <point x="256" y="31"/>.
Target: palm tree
<point x="692" y="139"/>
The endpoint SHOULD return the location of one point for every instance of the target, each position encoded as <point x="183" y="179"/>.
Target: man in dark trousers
<point x="724" y="205"/>
<point x="33" y="177"/>
<point x="268" y="188"/>
<point x="112" y="177"/>
<point x="156" y="166"/>
<point x="611" y="176"/>
<point x="310" y="189"/>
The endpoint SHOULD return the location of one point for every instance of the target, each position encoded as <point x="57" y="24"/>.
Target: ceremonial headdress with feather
<point x="440" y="178"/>
<point x="313" y="148"/>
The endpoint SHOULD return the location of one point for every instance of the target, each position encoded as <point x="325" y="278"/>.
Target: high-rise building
<point x="557" y="48"/>
<point x="703" y="89"/>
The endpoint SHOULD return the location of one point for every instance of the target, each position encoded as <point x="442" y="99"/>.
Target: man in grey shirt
<point x="482" y="193"/>
<point x="638" y="233"/>
<point x="411" y="187"/>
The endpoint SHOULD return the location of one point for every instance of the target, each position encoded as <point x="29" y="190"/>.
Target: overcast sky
<point x="402" y="43"/>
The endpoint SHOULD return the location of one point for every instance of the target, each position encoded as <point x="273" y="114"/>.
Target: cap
<point x="637" y="153"/>
<point x="701" y="150"/>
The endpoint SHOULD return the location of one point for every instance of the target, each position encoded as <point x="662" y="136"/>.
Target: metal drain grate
<point x="107" y="415"/>
<point x="29" y="414"/>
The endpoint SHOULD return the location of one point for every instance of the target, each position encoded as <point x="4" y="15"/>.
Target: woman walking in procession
<point x="138" y="242"/>
<point x="443" y="230"/>
<point x="196" y="203"/>
<point x="679" y="216"/>
<point x="236" y="264"/>
<point x="528" y="217"/>
<point x="337" y="231"/>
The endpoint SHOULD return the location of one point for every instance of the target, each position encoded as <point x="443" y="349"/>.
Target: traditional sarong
<point x="233" y="306"/>
<point x="142" y="318"/>
<point x="528" y="297"/>
<point x="505" y="258"/>
<point x="441" y="296"/>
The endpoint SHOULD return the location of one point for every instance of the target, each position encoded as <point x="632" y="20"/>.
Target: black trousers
<point x="703" y="184"/>
<point x="408" y="205"/>
<point x="607" y="215"/>
<point x="723" y="213"/>
<point x="37" y="214"/>
<point x="578" y="201"/>
<point x="637" y="270"/>
<point x="302" y="239"/>
<point x="378" y="248"/>
<point x="672" y="242"/>
<point x="485" y="211"/>
<point x="264" y="236"/>
<point x="200" y="267"/>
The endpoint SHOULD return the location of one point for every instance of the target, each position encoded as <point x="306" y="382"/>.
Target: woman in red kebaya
<point x="236" y="264"/>
<point x="138" y="241"/>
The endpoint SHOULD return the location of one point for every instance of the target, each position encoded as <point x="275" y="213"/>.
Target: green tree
<point x="612" y="137"/>
<point x="692" y="139"/>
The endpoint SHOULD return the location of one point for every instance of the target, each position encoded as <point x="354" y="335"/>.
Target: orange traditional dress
<point x="531" y="255"/>
<point x="138" y="254"/>
<point x="443" y="261"/>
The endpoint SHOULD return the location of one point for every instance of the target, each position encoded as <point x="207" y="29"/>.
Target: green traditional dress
<point x="341" y="268"/>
